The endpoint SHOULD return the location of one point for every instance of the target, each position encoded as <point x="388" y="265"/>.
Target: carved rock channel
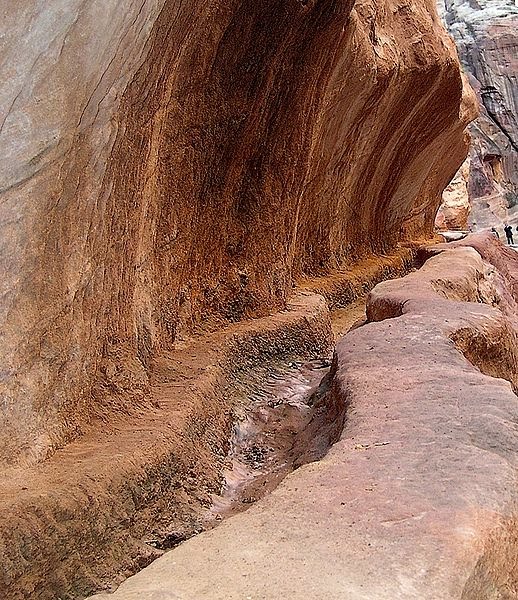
<point x="418" y="499"/>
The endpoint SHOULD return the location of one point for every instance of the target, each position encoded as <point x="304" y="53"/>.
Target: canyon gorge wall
<point x="170" y="166"/>
<point x="486" y="36"/>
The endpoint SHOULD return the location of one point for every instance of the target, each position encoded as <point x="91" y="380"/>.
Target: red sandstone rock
<point x="418" y="500"/>
<point x="492" y="251"/>
<point x="172" y="166"/>
<point x="168" y="169"/>
<point x="81" y="520"/>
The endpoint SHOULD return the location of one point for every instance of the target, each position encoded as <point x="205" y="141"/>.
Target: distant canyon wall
<point x="486" y="33"/>
<point x="176" y="165"/>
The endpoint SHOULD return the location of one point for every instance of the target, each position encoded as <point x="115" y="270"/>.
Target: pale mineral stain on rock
<point x="455" y="208"/>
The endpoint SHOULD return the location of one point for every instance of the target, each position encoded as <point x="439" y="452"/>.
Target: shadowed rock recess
<point x="171" y="170"/>
<point x="177" y="163"/>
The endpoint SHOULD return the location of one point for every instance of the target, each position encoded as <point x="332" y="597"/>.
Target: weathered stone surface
<point x="455" y="207"/>
<point x="171" y="166"/>
<point x="419" y="497"/>
<point x="82" y="520"/>
<point x="492" y="251"/>
<point x="486" y="36"/>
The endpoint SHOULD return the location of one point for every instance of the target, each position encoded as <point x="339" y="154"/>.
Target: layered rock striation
<point x="173" y="166"/>
<point x="485" y="33"/>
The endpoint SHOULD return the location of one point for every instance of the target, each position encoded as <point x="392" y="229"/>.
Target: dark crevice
<point x="494" y="117"/>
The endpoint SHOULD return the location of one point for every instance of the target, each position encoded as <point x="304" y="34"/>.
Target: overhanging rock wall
<point x="172" y="164"/>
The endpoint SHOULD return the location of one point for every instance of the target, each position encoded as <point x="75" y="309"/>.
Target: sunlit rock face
<point x="487" y="39"/>
<point x="172" y="165"/>
<point x="455" y="208"/>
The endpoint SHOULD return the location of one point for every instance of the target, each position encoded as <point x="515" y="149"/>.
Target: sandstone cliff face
<point x="176" y="165"/>
<point x="485" y="33"/>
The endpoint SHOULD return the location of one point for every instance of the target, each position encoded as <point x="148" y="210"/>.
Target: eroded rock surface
<point x="487" y="39"/>
<point x="455" y="208"/>
<point x="172" y="166"/>
<point x="419" y="497"/>
<point x="97" y="510"/>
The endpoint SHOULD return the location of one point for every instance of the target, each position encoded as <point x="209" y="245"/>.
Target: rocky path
<point x="417" y="500"/>
<point x="135" y="485"/>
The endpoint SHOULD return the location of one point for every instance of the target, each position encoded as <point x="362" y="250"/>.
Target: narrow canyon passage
<point x="418" y="496"/>
<point x="225" y="371"/>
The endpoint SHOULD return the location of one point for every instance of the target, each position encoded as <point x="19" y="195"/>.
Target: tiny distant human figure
<point x="495" y="232"/>
<point x="509" y="234"/>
